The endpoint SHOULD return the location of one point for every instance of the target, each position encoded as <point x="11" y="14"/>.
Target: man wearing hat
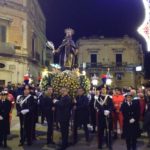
<point x="104" y="106"/>
<point x="5" y="108"/>
<point x="131" y="113"/>
<point x="25" y="108"/>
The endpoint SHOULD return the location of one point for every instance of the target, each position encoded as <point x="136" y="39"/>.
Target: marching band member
<point x="104" y="106"/>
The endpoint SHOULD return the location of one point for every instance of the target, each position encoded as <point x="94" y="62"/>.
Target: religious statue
<point x="68" y="51"/>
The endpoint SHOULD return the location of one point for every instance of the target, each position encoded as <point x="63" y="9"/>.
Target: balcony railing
<point x="7" y="49"/>
<point x="93" y="65"/>
<point x="113" y="67"/>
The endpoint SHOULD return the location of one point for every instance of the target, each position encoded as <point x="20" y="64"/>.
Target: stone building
<point x="121" y="55"/>
<point x="22" y="40"/>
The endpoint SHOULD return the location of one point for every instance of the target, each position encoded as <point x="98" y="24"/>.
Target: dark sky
<point x="111" y="18"/>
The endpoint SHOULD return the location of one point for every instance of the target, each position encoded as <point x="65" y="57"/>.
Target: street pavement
<point x="40" y="143"/>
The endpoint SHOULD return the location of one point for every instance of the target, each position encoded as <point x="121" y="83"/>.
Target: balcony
<point x="7" y="49"/>
<point x="113" y="67"/>
<point x="93" y="65"/>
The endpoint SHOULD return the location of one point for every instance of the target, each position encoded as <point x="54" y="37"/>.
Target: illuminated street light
<point x="108" y="82"/>
<point x="94" y="80"/>
<point x="84" y="72"/>
<point x="84" y="67"/>
<point x="108" y="78"/>
<point x="45" y="73"/>
<point x="138" y="68"/>
<point x="143" y="88"/>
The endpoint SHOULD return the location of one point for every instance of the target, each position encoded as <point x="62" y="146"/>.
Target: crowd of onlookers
<point x="84" y="109"/>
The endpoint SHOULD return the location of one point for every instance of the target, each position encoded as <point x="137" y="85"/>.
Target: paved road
<point x="81" y="145"/>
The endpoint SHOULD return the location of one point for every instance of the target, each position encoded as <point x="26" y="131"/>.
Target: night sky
<point x="111" y="18"/>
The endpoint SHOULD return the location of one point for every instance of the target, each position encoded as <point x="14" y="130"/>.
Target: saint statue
<point x="68" y="51"/>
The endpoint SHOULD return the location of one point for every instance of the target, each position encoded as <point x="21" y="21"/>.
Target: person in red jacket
<point x="118" y="99"/>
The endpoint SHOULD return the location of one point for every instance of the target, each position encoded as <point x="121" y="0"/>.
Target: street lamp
<point x="108" y="82"/>
<point x="138" y="68"/>
<point x="108" y="78"/>
<point x="143" y="87"/>
<point x="84" y="72"/>
<point x="94" y="80"/>
<point x="84" y="67"/>
<point x="45" y="73"/>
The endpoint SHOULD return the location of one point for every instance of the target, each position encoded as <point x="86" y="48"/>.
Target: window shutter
<point x="3" y="33"/>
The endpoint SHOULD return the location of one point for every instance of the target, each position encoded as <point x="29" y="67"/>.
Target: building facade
<point x="22" y="40"/>
<point x="121" y="55"/>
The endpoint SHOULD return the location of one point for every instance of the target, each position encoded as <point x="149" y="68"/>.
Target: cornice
<point x="12" y="5"/>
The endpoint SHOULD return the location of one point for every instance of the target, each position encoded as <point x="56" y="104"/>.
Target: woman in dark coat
<point x="131" y="114"/>
<point x="5" y="108"/>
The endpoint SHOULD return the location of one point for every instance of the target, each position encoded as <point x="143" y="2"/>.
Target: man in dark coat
<point x="35" y="112"/>
<point x="81" y="113"/>
<point x="40" y="106"/>
<point x="131" y="114"/>
<point x="25" y="109"/>
<point x="5" y="108"/>
<point x="147" y="116"/>
<point x="48" y="107"/>
<point x="64" y="106"/>
<point x="104" y="106"/>
<point x="92" y="110"/>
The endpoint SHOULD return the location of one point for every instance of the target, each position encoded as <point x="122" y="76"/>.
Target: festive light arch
<point x="144" y="29"/>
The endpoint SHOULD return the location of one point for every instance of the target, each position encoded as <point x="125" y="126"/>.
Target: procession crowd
<point x="111" y="114"/>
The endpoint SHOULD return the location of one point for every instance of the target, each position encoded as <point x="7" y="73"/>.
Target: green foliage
<point x="69" y="79"/>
